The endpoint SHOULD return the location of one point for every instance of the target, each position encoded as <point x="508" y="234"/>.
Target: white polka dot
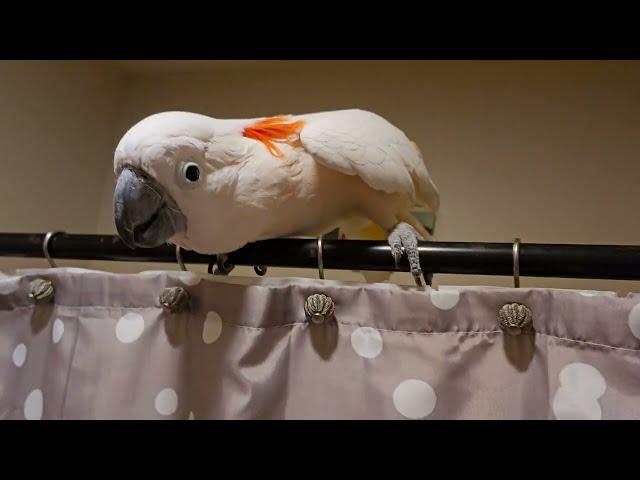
<point x="212" y="328"/>
<point x="33" y="405"/>
<point x="190" y="278"/>
<point x="166" y="401"/>
<point x="581" y="385"/>
<point x="567" y="406"/>
<point x="445" y="299"/>
<point x="19" y="355"/>
<point x="634" y="321"/>
<point x="583" y="379"/>
<point x="79" y="270"/>
<point x="595" y="293"/>
<point x="191" y="416"/>
<point x="587" y="293"/>
<point x="367" y="342"/>
<point x="57" y="331"/>
<point x="9" y="286"/>
<point x="414" y="399"/>
<point x="129" y="327"/>
<point x="151" y="273"/>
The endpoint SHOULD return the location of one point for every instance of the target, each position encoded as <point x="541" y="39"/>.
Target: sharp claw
<point x="224" y="267"/>
<point x="414" y="263"/>
<point x="414" y="260"/>
<point x="396" y="251"/>
<point x="404" y="240"/>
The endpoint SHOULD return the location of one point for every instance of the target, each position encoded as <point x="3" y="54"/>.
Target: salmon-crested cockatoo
<point x="213" y="185"/>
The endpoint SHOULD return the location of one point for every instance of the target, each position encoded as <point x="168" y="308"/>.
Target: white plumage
<point x="337" y="169"/>
<point x="357" y="142"/>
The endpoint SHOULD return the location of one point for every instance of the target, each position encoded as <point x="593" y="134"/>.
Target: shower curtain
<point x="80" y="344"/>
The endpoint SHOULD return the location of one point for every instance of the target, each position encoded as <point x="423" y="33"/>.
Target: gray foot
<point x="223" y="267"/>
<point x="404" y="239"/>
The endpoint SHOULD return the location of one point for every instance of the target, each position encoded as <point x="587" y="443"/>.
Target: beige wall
<point x="57" y="122"/>
<point x="542" y="150"/>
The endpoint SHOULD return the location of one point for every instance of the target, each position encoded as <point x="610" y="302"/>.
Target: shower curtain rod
<point x="616" y="262"/>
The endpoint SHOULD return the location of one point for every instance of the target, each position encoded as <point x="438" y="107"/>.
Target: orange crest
<point x="274" y="129"/>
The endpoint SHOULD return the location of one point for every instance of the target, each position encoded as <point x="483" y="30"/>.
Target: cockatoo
<point x="213" y="185"/>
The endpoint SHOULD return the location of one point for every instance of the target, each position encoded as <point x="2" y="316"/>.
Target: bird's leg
<point x="404" y="239"/>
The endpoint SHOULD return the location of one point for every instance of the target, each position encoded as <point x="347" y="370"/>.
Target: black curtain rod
<point x="616" y="262"/>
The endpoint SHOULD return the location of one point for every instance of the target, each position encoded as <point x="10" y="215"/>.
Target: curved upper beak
<point x="144" y="213"/>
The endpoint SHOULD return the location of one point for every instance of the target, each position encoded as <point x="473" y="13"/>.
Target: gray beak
<point x="144" y="213"/>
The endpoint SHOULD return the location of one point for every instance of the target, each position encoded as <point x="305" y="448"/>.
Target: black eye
<point x="192" y="173"/>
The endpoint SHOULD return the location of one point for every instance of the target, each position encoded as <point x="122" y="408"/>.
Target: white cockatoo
<point x="213" y="185"/>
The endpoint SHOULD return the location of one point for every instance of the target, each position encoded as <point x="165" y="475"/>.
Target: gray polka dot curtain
<point x="77" y="344"/>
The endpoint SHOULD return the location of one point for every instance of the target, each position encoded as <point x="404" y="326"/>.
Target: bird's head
<point x="162" y="171"/>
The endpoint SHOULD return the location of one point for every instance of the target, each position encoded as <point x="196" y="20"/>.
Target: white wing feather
<point x="357" y="142"/>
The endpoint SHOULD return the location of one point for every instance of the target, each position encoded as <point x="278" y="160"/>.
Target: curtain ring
<point x="260" y="270"/>
<point x="45" y="248"/>
<point x="516" y="263"/>
<point x="179" y="259"/>
<point x="320" y="265"/>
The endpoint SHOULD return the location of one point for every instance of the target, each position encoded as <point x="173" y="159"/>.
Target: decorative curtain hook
<point x="516" y="263"/>
<point x="45" y="248"/>
<point x="320" y="265"/>
<point x="179" y="259"/>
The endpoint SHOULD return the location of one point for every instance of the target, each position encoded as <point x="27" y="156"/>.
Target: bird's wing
<point x="357" y="142"/>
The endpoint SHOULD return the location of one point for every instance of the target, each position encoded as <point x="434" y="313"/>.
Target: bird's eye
<point x="192" y="173"/>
